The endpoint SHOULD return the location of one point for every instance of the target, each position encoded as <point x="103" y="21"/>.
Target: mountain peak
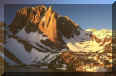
<point x="44" y="20"/>
<point x="25" y="16"/>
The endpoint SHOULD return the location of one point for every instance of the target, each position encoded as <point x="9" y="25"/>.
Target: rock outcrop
<point x="48" y="25"/>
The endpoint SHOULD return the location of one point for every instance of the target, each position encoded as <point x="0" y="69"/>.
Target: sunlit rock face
<point x="48" y="25"/>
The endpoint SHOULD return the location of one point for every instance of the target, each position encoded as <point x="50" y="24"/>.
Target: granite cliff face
<point x="38" y="35"/>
